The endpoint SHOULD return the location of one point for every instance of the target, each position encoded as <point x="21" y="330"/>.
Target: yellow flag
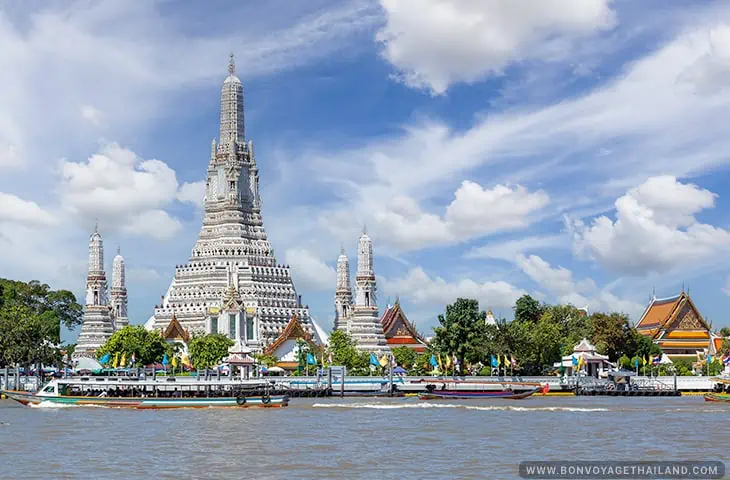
<point x="647" y="361"/>
<point x="116" y="360"/>
<point x="448" y="361"/>
<point x="185" y="360"/>
<point x="124" y="360"/>
<point x="174" y="362"/>
<point x="506" y="361"/>
<point x="383" y="360"/>
<point x="440" y="364"/>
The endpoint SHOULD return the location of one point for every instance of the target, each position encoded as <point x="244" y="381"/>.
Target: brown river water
<point x="398" y="438"/>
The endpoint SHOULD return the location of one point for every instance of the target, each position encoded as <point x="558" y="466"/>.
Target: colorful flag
<point x="495" y="362"/>
<point x="709" y="359"/>
<point x="185" y="360"/>
<point x="657" y="360"/>
<point x="726" y="359"/>
<point x="105" y="359"/>
<point x="132" y="359"/>
<point x="124" y="360"/>
<point x="434" y="363"/>
<point x="513" y="361"/>
<point x="384" y="361"/>
<point x="311" y="360"/>
<point x="441" y="364"/>
<point x="174" y="362"/>
<point x="448" y="361"/>
<point x="116" y="360"/>
<point x="506" y="361"/>
<point x="329" y="358"/>
<point x="636" y="362"/>
<point x="374" y="360"/>
<point x="165" y="361"/>
<point x="574" y="360"/>
<point x="646" y="360"/>
<point x="581" y="362"/>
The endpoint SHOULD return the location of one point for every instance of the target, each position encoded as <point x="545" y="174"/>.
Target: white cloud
<point x="560" y="283"/>
<point x="726" y="289"/>
<point x="308" y="271"/>
<point x="422" y="289"/>
<point x="474" y="212"/>
<point x="137" y="275"/>
<point x="509" y="250"/>
<point x="17" y="210"/>
<point x="655" y="229"/>
<point x="192" y="193"/>
<point x="157" y="224"/>
<point x="116" y="182"/>
<point x="711" y="72"/>
<point x="435" y="43"/>
<point x="92" y="114"/>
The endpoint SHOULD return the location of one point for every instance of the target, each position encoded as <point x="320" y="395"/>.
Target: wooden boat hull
<point x="273" y="401"/>
<point x="465" y="394"/>
<point x="717" y="397"/>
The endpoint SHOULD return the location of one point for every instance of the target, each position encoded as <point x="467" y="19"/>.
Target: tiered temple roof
<point x="399" y="331"/>
<point x="675" y="324"/>
<point x="175" y="331"/>
<point x="284" y="347"/>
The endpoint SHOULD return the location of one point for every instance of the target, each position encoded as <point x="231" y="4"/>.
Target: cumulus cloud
<point x="192" y="193"/>
<point x="654" y="231"/>
<point x="422" y="289"/>
<point x="559" y="282"/>
<point x="157" y="224"/>
<point x="435" y="43"/>
<point x="309" y="271"/>
<point x="474" y="212"/>
<point x="711" y="72"/>
<point x="509" y="250"/>
<point x="18" y="211"/>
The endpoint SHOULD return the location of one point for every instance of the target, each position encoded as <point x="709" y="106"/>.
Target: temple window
<point x="232" y="325"/>
<point x="214" y="325"/>
<point x="249" y="329"/>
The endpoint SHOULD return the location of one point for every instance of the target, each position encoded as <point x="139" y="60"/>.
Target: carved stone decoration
<point x="232" y="235"/>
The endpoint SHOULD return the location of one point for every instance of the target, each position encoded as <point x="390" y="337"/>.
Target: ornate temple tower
<point x="119" y="293"/>
<point x="365" y="326"/>
<point x="343" y="293"/>
<point x="97" y="324"/>
<point x="232" y="241"/>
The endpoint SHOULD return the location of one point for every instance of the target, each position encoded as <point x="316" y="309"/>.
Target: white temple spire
<point x="231" y="121"/>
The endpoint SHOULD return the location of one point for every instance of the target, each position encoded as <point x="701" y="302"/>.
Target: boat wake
<point x="379" y="406"/>
<point x="61" y="405"/>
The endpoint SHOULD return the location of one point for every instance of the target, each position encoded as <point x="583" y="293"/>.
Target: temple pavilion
<point x="675" y="324"/>
<point x="286" y="346"/>
<point x="593" y="363"/>
<point x="175" y="333"/>
<point x="399" y="332"/>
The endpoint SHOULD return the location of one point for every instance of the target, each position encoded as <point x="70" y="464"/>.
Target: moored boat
<point x="151" y="394"/>
<point x="721" y="391"/>
<point x="471" y="390"/>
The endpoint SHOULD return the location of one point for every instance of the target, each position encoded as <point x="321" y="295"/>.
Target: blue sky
<point x="575" y="150"/>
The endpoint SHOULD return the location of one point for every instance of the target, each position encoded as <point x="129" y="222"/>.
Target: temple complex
<point x="399" y="331"/>
<point x="675" y="324"/>
<point x="102" y="315"/>
<point x="232" y="283"/>
<point x="359" y="319"/>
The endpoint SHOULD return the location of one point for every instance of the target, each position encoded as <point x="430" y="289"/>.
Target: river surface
<point x="399" y="438"/>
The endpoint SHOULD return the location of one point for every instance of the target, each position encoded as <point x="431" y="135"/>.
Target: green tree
<point x="725" y="332"/>
<point x="640" y="345"/>
<point x="527" y="309"/>
<point x="147" y="346"/>
<point x="345" y="353"/>
<point x="405" y="357"/>
<point x="461" y="330"/>
<point x="207" y="351"/>
<point x="267" y="360"/>
<point x="611" y="334"/>
<point x="31" y="315"/>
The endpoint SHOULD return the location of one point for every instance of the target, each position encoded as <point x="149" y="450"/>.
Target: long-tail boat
<point x="121" y="392"/>
<point x="721" y="390"/>
<point x="455" y="389"/>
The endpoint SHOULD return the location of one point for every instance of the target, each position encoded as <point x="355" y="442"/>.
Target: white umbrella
<point x="665" y="360"/>
<point x="86" y="363"/>
<point x="275" y="370"/>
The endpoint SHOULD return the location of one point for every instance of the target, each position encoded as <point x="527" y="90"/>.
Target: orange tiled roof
<point x="658" y="312"/>
<point x="175" y="331"/>
<point x="293" y="329"/>
<point x="390" y="323"/>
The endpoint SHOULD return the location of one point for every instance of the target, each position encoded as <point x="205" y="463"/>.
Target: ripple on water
<point x="354" y="438"/>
